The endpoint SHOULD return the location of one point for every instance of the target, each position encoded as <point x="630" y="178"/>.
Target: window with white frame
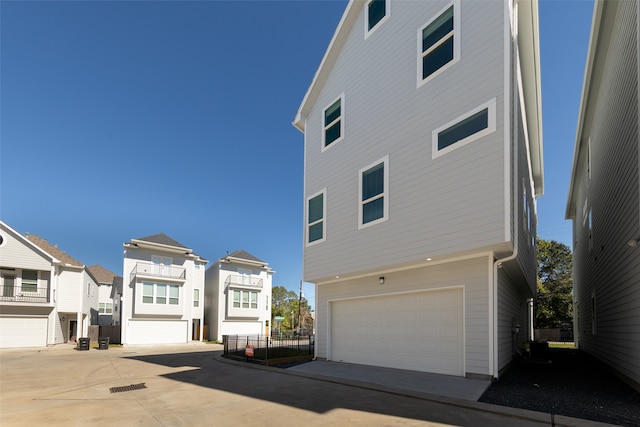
<point x="196" y="297"/>
<point x="245" y="299"/>
<point x="473" y="125"/>
<point x="160" y="293"/>
<point x="439" y="43"/>
<point x="333" y="123"/>
<point x="316" y="212"/>
<point x="374" y="182"/>
<point x="105" y="308"/>
<point x="29" y="281"/>
<point x="377" y="13"/>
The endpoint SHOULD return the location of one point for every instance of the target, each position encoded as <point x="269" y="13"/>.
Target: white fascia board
<point x="584" y="100"/>
<point x="150" y="245"/>
<point x="337" y="41"/>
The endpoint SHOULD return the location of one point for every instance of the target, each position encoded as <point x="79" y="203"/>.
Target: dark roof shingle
<point x="162" y="239"/>
<point x="53" y="250"/>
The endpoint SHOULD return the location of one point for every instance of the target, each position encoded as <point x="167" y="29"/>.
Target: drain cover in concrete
<point x="127" y="388"/>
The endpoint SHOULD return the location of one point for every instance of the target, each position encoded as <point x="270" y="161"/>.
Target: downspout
<point x="493" y="368"/>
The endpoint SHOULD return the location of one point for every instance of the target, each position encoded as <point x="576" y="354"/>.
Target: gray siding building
<point x="604" y="195"/>
<point x="423" y="162"/>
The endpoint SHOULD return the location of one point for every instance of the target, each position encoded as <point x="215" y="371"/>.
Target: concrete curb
<point x="523" y="414"/>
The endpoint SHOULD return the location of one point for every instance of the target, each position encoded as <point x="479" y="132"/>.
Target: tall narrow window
<point x="236" y="299"/>
<point x="315" y="218"/>
<point x="161" y="294"/>
<point x="254" y="299"/>
<point x="147" y="293"/>
<point x="373" y="200"/>
<point x="333" y="123"/>
<point x="174" y="295"/>
<point x="196" y="297"/>
<point x="377" y="12"/>
<point x="29" y="281"/>
<point x="438" y="43"/>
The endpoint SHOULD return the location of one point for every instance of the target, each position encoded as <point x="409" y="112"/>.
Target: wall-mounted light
<point x="633" y="242"/>
<point x="381" y="280"/>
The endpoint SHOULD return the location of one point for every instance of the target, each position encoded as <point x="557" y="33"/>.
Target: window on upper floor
<point x="333" y="123"/>
<point x="316" y="212"/>
<point x="461" y="131"/>
<point x="196" y="297"/>
<point x="160" y="293"/>
<point x="29" y="281"/>
<point x="377" y="12"/>
<point x="161" y="265"/>
<point x="439" y="43"/>
<point x="374" y="182"/>
<point x="105" y="308"/>
<point x="245" y="299"/>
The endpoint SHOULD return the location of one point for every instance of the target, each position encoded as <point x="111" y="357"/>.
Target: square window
<point x="373" y="201"/>
<point x="438" y="43"/>
<point x="333" y="124"/>
<point x="315" y="218"/>
<point x="377" y="12"/>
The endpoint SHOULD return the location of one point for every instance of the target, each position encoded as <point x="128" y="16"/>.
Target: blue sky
<point x="120" y="120"/>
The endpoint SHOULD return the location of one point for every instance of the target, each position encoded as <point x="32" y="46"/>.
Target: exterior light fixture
<point x="381" y="280"/>
<point x="633" y="242"/>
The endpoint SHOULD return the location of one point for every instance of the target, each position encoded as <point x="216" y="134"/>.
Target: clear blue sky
<point x="125" y="119"/>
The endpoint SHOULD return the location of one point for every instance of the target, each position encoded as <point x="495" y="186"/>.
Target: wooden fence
<point x="113" y="332"/>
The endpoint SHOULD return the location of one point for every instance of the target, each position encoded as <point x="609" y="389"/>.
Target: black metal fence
<point x="268" y="350"/>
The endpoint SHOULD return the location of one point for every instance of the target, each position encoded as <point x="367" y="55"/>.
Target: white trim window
<point x="373" y="206"/>
<point x="377" y="12"/>
<point x="439" y="43"/>
<point x="316" y="214"/>
<point x="333" y="123"/>
<point x="196" y="297"/>
<point x="105" y="308"/>
<point x="245" y="299"/>
<point x="475" y="124"/>
<point x="29" y="282"/>
<point x="160" y="293"/>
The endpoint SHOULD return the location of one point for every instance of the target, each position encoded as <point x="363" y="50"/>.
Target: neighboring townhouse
<point x="116" y="296"/>
<point x="163" y="284"/>
<point x="47" y="296"/>
<point x="238" y="296"/>
<point x="423" y="161"/>
<point x="604" y="194"/>
<point x="108" y="299"/>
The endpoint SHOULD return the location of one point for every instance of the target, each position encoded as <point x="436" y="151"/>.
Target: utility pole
<point x="299" y="303"/>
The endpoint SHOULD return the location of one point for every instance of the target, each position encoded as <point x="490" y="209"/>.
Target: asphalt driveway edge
<point x="524" y="414"/>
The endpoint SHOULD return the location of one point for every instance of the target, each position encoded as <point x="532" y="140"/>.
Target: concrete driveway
<point x="190" y="385"/>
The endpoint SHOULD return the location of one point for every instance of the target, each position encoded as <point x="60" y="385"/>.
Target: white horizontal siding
<point x="451" y="204"/>
<point x="15" y="253"/>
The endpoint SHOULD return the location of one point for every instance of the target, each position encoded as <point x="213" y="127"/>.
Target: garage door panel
<point x="421" y="331"/>
<point x="18" y="332"/>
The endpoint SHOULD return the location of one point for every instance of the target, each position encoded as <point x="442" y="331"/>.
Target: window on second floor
<point x="377" y="12"/>
<point x="333" y="123"/>
<point x="439" y="43"/>
<point x="245" y="299"/>
<point x="29" y="281"/>
<point x="160" y="293"/>
<point x="316" y="213"/>
<point x="374" y="182"/>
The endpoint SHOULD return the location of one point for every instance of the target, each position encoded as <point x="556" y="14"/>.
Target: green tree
<point x="554" y="300"/>
<point x="285" y="303"/>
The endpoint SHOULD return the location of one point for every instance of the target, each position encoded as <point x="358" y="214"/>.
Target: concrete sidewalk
<point x="191" y="385"/>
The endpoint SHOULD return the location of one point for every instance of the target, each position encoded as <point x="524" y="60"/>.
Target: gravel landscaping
<point x="571" y="383"/>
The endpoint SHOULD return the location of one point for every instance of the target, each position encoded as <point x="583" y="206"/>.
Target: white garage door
<point x="418" y="331"/>
<point x="23" y="332"/>
<point x="157" y="332"/>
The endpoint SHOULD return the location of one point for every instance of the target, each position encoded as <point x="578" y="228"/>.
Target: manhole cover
<point x="127" y="388"/>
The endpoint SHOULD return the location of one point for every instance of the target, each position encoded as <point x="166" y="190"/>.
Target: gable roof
<point x="242" y="254"/>
<point x="162" y="239"/>
<point x="53" y="250"/>
<point x="528" y="44"/>
<point x="101" y="274"/>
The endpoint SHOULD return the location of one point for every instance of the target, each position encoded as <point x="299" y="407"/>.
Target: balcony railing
<point x="246" y="281"/>
<point x="24" y="294"/>
<point x="158" y="270"/>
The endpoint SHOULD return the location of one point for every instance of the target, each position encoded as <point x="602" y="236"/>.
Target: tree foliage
<point x="284" y="303"/>
<point x="554" y="302"/>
